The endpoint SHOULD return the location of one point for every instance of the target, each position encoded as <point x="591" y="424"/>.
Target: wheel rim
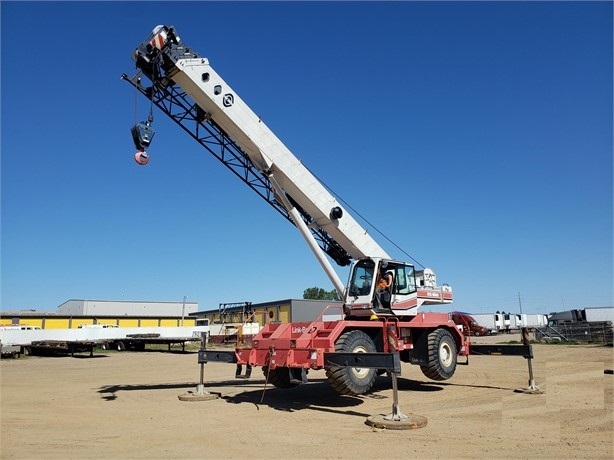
<point x="445" y="354"/>
<point x="360" y="372"/>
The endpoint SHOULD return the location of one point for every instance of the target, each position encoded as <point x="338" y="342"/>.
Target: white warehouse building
<point x="81" y="307"/>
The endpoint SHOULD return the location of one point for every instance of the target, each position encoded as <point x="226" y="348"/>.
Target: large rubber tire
<point x="279" y="377"/>
<point x="352" y="380"/>
<point x="442" y="355"/>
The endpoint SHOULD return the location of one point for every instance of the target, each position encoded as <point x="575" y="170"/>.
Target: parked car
<point x="470" y="325"/>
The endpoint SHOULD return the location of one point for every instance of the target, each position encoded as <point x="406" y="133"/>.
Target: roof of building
<point x="253" y="306"/>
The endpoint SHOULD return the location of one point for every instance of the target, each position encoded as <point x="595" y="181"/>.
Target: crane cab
<point x="363" y="295"/>
<point x="409" y="290"/>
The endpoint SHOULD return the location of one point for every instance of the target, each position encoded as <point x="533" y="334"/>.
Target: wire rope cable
<point x="367" y="221"/>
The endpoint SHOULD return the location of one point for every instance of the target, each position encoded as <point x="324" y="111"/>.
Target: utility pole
<point x="183" y="309"/>
<point x="520" y="304"/>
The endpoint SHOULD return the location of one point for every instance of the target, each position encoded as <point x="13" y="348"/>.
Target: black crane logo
<point x="228" y="100"/>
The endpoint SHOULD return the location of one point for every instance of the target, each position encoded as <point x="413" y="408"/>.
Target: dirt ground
<point x="126" y="406"/>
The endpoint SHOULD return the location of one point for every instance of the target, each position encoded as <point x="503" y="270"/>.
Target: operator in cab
<point x="383" y="288"/>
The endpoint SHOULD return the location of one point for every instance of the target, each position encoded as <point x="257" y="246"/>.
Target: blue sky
<point x="496" y="117"/>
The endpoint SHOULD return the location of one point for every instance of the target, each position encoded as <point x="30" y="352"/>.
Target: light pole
<point x="183" y="309"/>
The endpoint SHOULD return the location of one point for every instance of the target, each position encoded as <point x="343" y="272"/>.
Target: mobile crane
<point x="184" y="86"/>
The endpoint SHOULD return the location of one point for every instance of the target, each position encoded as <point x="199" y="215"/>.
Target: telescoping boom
<point x="190" y="91"/>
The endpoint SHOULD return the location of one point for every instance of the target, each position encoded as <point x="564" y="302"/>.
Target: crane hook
<point x="142" y="134"/>
<point x="141" y="157"/>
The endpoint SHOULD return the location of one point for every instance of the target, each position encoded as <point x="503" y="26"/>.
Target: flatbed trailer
<point x="106" y="337"/>
<point x="62" y="347"/>
<point x="139" y="341"/>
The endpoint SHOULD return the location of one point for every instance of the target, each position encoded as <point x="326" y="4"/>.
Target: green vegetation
<point x="316" y="293"/>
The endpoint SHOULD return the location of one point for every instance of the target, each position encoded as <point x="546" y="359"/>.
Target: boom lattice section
<point x="176" y="103"/>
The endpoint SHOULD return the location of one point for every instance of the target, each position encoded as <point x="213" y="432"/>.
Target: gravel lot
<point x="125" y="405"/>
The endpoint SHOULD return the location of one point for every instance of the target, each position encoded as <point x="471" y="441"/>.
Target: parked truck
<point x="593" y="314"/>
<point x="502" y="322"/>
<point x="581" y="315"/>
<point x="531" y="320"/>
<point x="469" y="324"/>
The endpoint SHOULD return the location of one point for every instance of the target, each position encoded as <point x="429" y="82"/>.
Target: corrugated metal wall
<point x="86" y="307"/>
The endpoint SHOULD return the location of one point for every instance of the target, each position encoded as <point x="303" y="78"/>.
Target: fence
<point x="591" y="332"/>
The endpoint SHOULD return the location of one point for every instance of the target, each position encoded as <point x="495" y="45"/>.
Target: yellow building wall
<point x="284" y="314"/>
<point x="47" y="322"/>
<point x="128" y="322"/>
<point x="112" y="321"/>
<point x="78" y="322"/>
<point x="214" y="318"/>
<point x="266" y="319"/>
<point x="169" y="322"/>
<point x="272" y="314"/>
<point x="31" y="322"/>
<point x="278" y="314"/>
<point x="237" y="317"/>
<point x="149" y="322"/>
<point x="53" y="323"/>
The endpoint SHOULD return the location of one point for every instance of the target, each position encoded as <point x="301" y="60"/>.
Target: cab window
<point x="405" y="279"/>
<point x="362" y="278"/>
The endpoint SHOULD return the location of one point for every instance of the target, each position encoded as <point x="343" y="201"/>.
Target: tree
<point x="316" y="293"/>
